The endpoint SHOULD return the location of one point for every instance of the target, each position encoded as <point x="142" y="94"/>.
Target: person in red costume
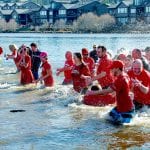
<point x="69" y="63"/>
<point x="88" y="60"/>
<point x="25" y="67"/>
<point x="140" y="79"/>
<point x="46" y="74"/>
<point x="104" y="76"/>
<point x="124" y="107"/>
<point x="79" y="73"/>
<point x="15" y="55"/>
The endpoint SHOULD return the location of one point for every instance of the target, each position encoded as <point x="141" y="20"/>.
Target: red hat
<point x="85" y="51"/>
<point x="117" y="64"/>
<point x="43" y="55"/>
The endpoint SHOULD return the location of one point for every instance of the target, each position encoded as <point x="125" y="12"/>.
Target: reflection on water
<point x="54" y="118"/>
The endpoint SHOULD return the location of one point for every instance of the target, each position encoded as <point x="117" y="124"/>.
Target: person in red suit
<point x="88" y="60"/>
<point x="14" y="55"/>
<point x="140" y="79"/>
<point x="46" y="74"/>
<point x="123" y="112"/>
<point x="104" y="76"/>
<point x="80" y="72"/>
<point x="25" y="67"/>
<point x="69" y="63"/>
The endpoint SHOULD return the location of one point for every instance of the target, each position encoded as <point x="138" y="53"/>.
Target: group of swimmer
<point x="123" y="80"/>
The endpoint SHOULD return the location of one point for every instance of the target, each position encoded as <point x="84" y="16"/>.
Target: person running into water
<point x="46" y="74"/>
<point x="67" y="69"/>
<point x="36" y="61"/>
<point x="140" y="79"/>
<point x="79" y="73"/>
<point x="25" y="67"/>
<point x="123" y="112"/>
<point x="103" y="76"/>
<point x="88" y="61"/>
<point x="15" y="55"/>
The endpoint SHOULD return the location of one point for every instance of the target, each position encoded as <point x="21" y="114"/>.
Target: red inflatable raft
<point x="99" y="100"/>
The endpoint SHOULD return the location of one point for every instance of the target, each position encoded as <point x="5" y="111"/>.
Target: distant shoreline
<point x="69" y="32"/>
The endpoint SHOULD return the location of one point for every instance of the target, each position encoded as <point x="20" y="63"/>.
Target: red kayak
<point x="99" y="100"/>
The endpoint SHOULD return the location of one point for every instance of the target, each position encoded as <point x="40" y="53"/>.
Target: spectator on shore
<point x="67" y="69"/>
<point x="36" y="61"/>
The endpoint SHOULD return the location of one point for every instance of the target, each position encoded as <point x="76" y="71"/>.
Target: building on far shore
<point x="30" y="13"/>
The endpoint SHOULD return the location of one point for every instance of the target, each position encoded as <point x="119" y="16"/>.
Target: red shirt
<point x="26" y="74"/>
<point x="104" y="65"/>
<point x="122" y="88"/>
<point x="67" y="73"/>
<point x="17" y="58"/>
<point x="90" y="63"/>
<point x="78" y="82"/>
<point x="27" y="61"/>
<point x="49" y="81"/>
<point x="144" y="77"/>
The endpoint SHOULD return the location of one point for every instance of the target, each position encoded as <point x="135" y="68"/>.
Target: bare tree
<point x="3" y="25"/>
<point x="12" y="25"/>
<point x="59" y="24"/>
<point x="92" y="23"/>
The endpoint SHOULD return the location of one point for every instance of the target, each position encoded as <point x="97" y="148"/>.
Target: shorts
<point x="120" y="118"/>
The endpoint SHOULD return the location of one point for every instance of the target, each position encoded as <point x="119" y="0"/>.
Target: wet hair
<point x="103" y="48"/>
<point x="33" y="44"/>
<point x="13" y="47"/>
<point x="78" y="55"/>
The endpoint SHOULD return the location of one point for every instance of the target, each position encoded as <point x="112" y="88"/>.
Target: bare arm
<point x="104" y="91"/>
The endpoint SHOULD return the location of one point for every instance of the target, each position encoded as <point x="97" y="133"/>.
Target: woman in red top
<point x="46" y="74"/>
<point x="25" y="67"/>
<point x="69" y="63"/>
<point x="15" y="55"/>
<point x="79" y="73"/>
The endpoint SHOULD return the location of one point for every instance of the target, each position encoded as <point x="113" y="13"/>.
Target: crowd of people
<point x="123" y="80"/>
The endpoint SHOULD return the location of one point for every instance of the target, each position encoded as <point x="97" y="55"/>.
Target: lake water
<point x="54" y="119"/>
